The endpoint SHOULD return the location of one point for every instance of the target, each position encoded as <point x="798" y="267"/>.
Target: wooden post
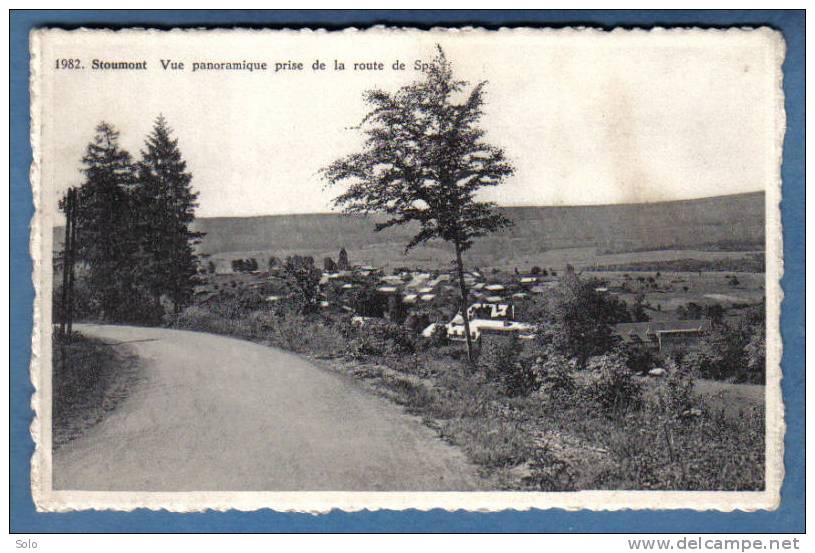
<point x="71" y="261"/>
<point x="65" y="245"/>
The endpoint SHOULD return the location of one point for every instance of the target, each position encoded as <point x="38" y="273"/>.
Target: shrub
<point x="191" y="317"/>
<point x="303" y="279"/>
<point x="675" y="393"/>
<point x="83" y="302"/>
<point x="249" y="300"/>
<point x="556" y="375"/>
<point x="368" y="302"/>
<point x="577" y="319"/>
<point x="438" y="339"/>
<point x="416" y="321"/>
<point x="497" y="355"/>
<point x="612" y="385"/>
<point x="133" y="304"/>
<point x="380" y="337"/>
<point x="640" y="358"/>
<point x="521" y="379"/>
<point x="721" y="354"/>
<point x="501" y="362"/>
<point x="756" y="353"/>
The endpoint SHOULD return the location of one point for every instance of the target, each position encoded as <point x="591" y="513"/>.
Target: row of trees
<point x="244" y="265"/>
<point x="134" y="243"/>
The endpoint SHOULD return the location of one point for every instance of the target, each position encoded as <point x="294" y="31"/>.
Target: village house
<point x="666" y="337"/>
<point x="485" y="319"/>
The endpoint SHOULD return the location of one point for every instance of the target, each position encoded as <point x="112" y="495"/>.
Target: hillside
<point x="704" y="229"/>
<point x="546" y="235"/>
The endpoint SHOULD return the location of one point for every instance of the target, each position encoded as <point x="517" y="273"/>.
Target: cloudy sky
<point x="586" y="117"/>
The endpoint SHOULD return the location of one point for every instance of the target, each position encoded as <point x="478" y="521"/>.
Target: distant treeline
<point x="720" y="246"/>
<point x="753" y="263"/>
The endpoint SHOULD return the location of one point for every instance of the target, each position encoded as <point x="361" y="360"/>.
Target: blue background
<point x="789" y="518"/>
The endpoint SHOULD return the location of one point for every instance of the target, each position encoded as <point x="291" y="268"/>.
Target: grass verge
<point x="89" y="379"/>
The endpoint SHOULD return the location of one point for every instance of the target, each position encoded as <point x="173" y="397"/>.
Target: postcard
<point x="394" y="268"/>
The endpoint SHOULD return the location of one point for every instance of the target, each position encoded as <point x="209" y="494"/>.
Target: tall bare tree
<point x="423" y="162"/>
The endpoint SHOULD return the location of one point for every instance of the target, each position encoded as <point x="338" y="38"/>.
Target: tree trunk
<point x="464" y="306"/>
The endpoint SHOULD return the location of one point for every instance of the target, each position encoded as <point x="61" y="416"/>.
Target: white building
<point x="485" y="317"/>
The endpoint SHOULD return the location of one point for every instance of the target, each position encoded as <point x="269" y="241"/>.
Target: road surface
<point x="216" y="413"/>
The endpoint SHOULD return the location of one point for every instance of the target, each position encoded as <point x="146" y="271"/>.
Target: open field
<point x="709" y="228"/>
<point x="675" y="289"/>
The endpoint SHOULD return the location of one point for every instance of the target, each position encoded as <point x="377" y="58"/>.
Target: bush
<point x="521" y="379"/>
<point x="497" y="355"/>
<point x="501" y="362"/>
<point x="368" y="302"/>
<point x="675" y="393"/>
<point x="720" y="354"/>
<point x="612" y="385"/>
<point x="640" y="358"/>
<point x="132" y="305"/>
<point x="84" y="307"/>
<point x="556" y="375"/>
<point x="733" y="350"/>
<point x="438" y="339"/>
<point x="756" y="355"/>
<point x="380" y="337"/>
<point x="578" y="319"/>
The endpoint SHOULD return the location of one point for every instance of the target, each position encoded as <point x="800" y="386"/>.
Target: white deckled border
<point x="47" y="499"/>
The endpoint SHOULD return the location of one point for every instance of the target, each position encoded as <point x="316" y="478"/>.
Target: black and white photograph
<point x="395" y="268"/>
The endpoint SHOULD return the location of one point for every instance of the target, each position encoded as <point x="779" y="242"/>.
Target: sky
<point x="586" y="117"/>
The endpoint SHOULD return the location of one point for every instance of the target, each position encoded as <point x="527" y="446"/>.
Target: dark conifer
<point x="165" y="203"/>
<point x="106" y="244"/>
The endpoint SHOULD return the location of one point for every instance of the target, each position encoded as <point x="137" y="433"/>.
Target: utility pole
<point x="65" y="245"/>
<point x="66" y="324"/>
<point x="72" y="193"/>
<point x="66" y="320"/>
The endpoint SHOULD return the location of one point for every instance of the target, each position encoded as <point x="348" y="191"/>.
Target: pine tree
<point x="165" y="203"/>
<point x="342" y="260"/>
<point x="105" y="243"/>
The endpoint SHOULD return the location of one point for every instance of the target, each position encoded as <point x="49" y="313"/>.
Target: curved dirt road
<point x="216" y="413"/>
